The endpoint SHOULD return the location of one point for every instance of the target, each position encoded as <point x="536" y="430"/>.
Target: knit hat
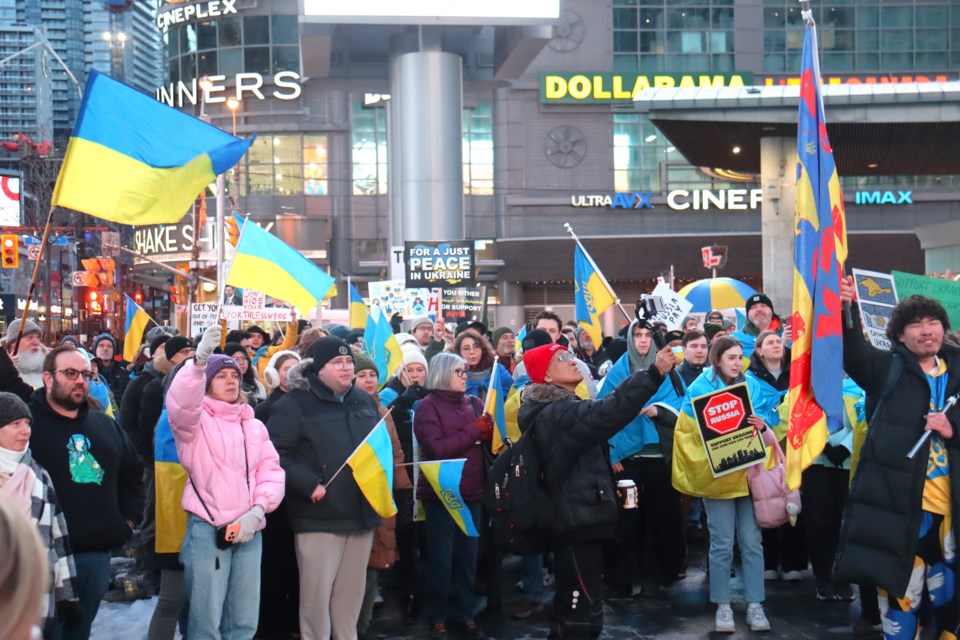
<point x="711" y="329"/>
<point x="174" y="345"/>
<point x="363" y="363"/>
<point x="100" y="338"/>
<point x="536" y="338"/>
<point x="156" y="332"/>
<point x="671" y="336"/>
<point x="716" y="315"/>
<point x="158" y="342"/>
<point x="354" y="337"/>
<point x="74" y="340"/>
<point x="338" y="331"/>
<point x="12" y="408"/>
<point x="414" y="357"/>
<point x="326" y="349"/>
<point x="217" y="363"/>
<point x="234" y="347"/>
<point x="476" y="325"/>
<point x="14" y="328"/>
<point x="758" y="298"/>
<point x="406" y="338"/>
<point x="256" y="329"/>
<point x="538" y="359"/>
<point x="498" y="333"/>
<point x="411" y="325"/>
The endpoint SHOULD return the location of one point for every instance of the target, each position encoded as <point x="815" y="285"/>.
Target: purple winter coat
<point x="444" y="426"/>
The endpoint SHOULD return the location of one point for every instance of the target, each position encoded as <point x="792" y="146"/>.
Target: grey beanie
<point x="14" y="328"/>
<point x="12" y="408"/>
<point x="100" y="338"/>
<point x="156" y="332"/>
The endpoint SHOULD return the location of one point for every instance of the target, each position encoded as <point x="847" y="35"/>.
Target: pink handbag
<point x="773" y="504"/>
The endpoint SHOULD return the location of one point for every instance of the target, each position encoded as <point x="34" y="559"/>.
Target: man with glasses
<point x="315" y="427"/>
<point x="93" y="465"/>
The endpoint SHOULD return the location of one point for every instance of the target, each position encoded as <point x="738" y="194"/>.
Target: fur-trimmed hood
<point x="297" y="377"/>
<point x="544" y="393"/>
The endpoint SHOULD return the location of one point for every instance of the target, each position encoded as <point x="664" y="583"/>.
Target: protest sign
<point x="392" y="296"/>
<point x="876" y="297"/>
<point x="202" y="315"/>
<point x="439" y="264"/>
<point x="255" y="309"/>
<point x="728" y="439"/>
<point x="463" y="303"/>
<point x="676" y="308"/>
<point x="947" y="292"/>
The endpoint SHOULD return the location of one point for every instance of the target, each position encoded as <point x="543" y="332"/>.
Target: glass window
<point x="206" y="35"/>
<point x="897" y="61"/>
<point x="478" y="150"/>
<point x="188" y="38"/>
<point x="284" y="29"/>
<point x="868" y="39"/>
<point x="261" y="150"/>
<point x="315" y="165"/>
<point x="932" y="39"/>
<point x="838" y="62"/>
<point x="896" y="16"/>
<point x="774" y="17"/>
<point x="286" y="59"/>
<point x="932" y="60"/>
<point x="171" y="39"/>
<point x="651" y="18"/>
<point x="868" y="17"/>
<point x="624" y="41"/>
<point x="868" y="61"/>
<point x="188" y="67"/>
<point x="289" y="178"/>
<point x="652" y="42"/>
<point x="231" y="61"/>
<point x="624" y="63"/>
<point x="256" y="30"/>
<point x="624" y="18"/>
<point x="774" y="63"/>
<point x="229" y="32"/>
<point x="896" y="40"/>
<point x="256" y="60"/>
<point x="722" y="18"/>
<point x="370" y="151"/>
<point x="207" y="63"/>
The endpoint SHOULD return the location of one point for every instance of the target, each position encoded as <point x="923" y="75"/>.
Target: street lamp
<point x="233" y="104"/>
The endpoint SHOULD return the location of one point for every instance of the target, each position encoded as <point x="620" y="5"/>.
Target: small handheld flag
<point x="372" y="465"/>
<point x="444" y="476"/>
<point x="494" y="405"/>
<point x="134" y="328"/>
<point x="381" y="346"/>
<point x="358" y="309"/>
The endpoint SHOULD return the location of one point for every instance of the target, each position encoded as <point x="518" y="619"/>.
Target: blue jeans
<point x="723" y="518"/>
<point x="223" y="585"/>
<point x="93" y="578"/>
<point x="531" y="576"/>
<point x="451" y="565"/>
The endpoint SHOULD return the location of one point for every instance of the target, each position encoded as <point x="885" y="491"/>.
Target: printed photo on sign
<point x="730" y="442"/>
<point x="392" y="296"/>
<point x="876" y="298"/>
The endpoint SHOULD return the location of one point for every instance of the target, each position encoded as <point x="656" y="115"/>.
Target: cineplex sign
<point x="719" y="200"/>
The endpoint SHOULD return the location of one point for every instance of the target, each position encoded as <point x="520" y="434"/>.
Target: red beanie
<point x="537" y="360"/>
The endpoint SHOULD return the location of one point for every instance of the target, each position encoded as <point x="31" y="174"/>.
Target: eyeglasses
<point x="470" y="348"/>
<point x="241" y="359"/>
<point x="563" y="357"/>
<point x="346" y="363"/>
<point x="72" y="374"/>
<point x="460" y="372"/>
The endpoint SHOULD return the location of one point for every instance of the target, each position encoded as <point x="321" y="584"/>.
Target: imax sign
<point x="884" y="197"/>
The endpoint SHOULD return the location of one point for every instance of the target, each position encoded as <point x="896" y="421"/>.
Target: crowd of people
<point x="227" y="452"/>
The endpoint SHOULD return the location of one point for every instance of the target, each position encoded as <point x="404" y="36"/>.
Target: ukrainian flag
<point x="494" y="405"/>
<point x="592" y="295"/>
<point x="134" y="160"/>
<point x="444" y="476"/>
<point x="358" y="310"/>
<point x="170" y="478"/>
<point x="520" y="336"/>
<point x="381" y="345"/>
<point x="372" y="465"/>
<point x="266" y="263"/>
<point x="133" y="329"/>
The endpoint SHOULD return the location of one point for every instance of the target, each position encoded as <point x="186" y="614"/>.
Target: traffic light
<point x="10" y="243"/>
<point x="138" y="297"/>
<point x="233" y="229"/>
<point x="94" y="301"/>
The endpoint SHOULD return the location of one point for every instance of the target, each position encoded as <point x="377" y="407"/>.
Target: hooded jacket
<point x="571" y="439"/>
<point x="747" y="336"/>
<point x="129" y="416"/>
<point x="315" y="431"/>
<point x="225" y="450"/>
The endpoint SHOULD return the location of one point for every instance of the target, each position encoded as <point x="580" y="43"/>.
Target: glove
<point x="248" y="524"/>
<point x="396" y="322"/>
<point x="412" y="394"/>
<point x="209" y="342"/>
<point x="484" y="425"/>
<point x="836" y="454"/>
<point x="68" y="612"/>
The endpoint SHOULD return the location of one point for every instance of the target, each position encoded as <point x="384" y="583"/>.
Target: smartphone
<point x="233" y="531"/>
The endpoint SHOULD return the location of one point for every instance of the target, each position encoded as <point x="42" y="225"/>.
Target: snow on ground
<point x="125" y="620"/>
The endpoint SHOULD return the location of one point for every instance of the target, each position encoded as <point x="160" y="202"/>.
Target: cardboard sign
<point x="392" y="296"/>
<point x="202" y="315"/>
<point x="463" y="303"/>
<point x="439" y="264"/>
<point x="728" y="439"/>
<point x="947" y="292"/>
<point x="876" y="297"/>
<point x="267" y="314"/>
<point x="676" y="308"/>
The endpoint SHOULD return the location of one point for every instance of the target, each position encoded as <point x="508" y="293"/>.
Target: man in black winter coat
<point x="571" y="438"/>
<point x="898" y="528"/>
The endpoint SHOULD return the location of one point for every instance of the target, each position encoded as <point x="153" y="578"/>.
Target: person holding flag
<point x="316" y="428"/>
<point x="449" y="423"/>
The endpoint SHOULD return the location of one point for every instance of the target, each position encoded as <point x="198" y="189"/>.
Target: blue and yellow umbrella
<point x="716" y="293"/>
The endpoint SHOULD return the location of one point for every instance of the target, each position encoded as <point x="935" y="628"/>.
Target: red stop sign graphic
<point x="724" y="413"/>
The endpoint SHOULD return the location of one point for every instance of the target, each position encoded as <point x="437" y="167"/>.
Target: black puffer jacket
<point x="571" y="437"/>
<point x="881" y="521"/>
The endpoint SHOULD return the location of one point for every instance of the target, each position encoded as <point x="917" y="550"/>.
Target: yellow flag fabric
<point x="592" y="295"/>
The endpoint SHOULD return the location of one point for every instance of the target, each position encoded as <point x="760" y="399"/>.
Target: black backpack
<point x="519" y="507"/>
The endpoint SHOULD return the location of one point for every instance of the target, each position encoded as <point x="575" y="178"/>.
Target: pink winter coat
<point x="211" y="448"/>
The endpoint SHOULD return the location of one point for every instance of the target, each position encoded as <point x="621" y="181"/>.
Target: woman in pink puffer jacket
<point x="235" y="479"/>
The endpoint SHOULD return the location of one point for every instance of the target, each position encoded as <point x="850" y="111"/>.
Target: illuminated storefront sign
<point x="286" y="86"/>
<point x="892" y="78"/>
<point x="635" y="200"/>
<point x="884" y="197"/>
<point x="198" y="11"/>
<point x="605" y="88"/>
<point x="678" y="200"/>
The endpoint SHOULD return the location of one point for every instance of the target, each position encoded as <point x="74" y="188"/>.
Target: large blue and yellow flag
<point x="592" y="295"/>
<point x="133" y="329"/>
<point x="494" y="405"/>
<point x="820" y="250"/>
<point x="372" y="465"/>
<point x="266" y="263"/>
<point x="134" y="160"/>
<point x="444" y="476"/>
<point x="381" y="346"/>
<point x="170" y="478"/>
<point x="358" y="310"/>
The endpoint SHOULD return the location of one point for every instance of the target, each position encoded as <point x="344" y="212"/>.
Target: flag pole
<point x="596" y="269"/>
<point x="220" y="238"/>
<point x="33" y="282"/>
<point x="362" y="442"/>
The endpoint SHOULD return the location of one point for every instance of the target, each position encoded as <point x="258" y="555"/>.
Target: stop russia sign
<point x="724" y="413"/>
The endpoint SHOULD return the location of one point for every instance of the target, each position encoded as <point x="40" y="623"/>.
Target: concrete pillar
<point x="509" y="311"/>
<point x="778" y="162"/>
<point x="429" y="99"/>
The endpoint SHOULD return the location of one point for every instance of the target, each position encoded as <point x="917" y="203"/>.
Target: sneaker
<point x="756" y="618"/>
<point x="792" y="576"/>
<point x="525" y="608"/>
<point x="771" y="574"/>
<point x="438" y="631"/>
<point x="826" y="591"/>
<point x="723" y="623"/>
<point x="469" y="629"/>
<point x="843" y="591"/>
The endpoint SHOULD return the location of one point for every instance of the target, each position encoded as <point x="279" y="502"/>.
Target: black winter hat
<point x="256" y="329"/>
<point x="758" y="298"/>
<point x="326" y="349"/>
<point x="12" y="408"/>
<point x="534" y="339"/>
<point x="158" y="342"/>
<point x="175" y="344"/>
